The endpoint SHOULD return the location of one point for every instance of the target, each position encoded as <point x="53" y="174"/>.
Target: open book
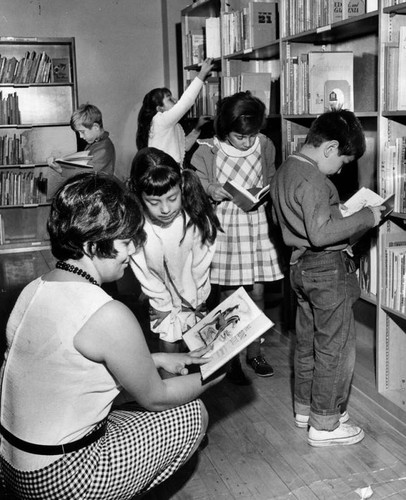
<point x="77" y="159"/>
<point x="230" y="327"/>
<point x="365" y="197"/>
<point x="246" y="199"/>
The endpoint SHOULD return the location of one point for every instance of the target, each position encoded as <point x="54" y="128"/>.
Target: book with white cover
<point x="229" y="328"/>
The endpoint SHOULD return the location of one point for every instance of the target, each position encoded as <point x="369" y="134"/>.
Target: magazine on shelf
<point x="229" y="328"/>
<point x="246" y="199"/>
<point x="77" y="159"/>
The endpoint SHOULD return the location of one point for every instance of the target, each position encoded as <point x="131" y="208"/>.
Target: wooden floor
<point x="255" y="451"/>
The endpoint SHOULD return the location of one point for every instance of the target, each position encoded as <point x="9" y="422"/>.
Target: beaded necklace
<point x="75" y="270"/>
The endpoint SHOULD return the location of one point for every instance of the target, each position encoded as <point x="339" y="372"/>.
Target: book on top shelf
<point x="213" y="38"/>
<point x="77" y="159"/>
<point x="246" y="199"/>
<point x="262" y="23"/>
<point x="229" y="328"/>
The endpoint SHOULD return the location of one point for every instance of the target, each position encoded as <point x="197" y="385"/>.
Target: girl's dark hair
<point x="242" y="113"/>
<point x="154" y="173"/>
<point x="148" y="110"/>
<point x="89" y="211"/>
<point x="342" y="126"/>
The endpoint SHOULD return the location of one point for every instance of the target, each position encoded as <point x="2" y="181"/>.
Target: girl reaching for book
<point x="245" y="255"/>
<point x="158" y="119"/>
<point x="181" y="227"/>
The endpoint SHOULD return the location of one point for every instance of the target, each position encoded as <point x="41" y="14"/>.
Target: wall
<point x="124" y="48"/>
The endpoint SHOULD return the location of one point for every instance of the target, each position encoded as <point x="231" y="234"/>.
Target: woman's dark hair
<point x="342" y="126"/>
<point x="89" y="211"/>
<point x="148" y="110"/>
<point x="242" y="113"/>
<point x="154" y="173"/>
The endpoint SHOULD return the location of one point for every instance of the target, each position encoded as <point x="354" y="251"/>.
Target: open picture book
<point x="246" y="199"/>
<point x="365" y="197"/>
<point x="229" y="328"/>
<point x="78" y="159"/>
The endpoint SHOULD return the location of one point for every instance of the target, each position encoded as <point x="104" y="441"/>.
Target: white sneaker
<point x="344" y="434"/>
<point x="302" y="421"/>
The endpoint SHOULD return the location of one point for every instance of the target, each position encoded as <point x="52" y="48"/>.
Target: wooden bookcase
<point x="38" y="89"/>
<point x="307" y="26"/>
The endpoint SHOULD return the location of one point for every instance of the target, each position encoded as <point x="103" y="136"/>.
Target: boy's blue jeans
<point x="327" y="288"/>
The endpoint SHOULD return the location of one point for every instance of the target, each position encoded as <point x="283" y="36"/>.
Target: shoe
<point x="260" y="366"/>
<point x="302" y="421"/>
<point x="203" y="443"/>
<point x="345" y="434"/>
<point x="236" y="374"/>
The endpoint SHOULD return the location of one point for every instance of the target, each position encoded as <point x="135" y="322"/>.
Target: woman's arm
<point x="113" y="336"/>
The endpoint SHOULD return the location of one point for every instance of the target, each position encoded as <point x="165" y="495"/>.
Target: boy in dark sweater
<point x="87" y="121"/>
<point x="306" y="206"/>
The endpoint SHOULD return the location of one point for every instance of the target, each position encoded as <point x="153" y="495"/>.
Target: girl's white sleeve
<point x="153" y="287"/>
<point x="186" y="101"/>
<point x="202" y="258"/>
<point x="168" y="327"/>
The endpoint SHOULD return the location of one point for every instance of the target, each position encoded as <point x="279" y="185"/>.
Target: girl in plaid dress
<point x="245" y="255"/>
<point x="71" y="349"/>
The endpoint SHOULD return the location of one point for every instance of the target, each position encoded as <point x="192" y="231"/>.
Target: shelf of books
<point x="38" y="93"/>
<point x="243" y="38"/>
<point x="391" y="323"/>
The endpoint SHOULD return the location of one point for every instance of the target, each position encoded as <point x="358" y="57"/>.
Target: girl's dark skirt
<point x="139" y="450"/>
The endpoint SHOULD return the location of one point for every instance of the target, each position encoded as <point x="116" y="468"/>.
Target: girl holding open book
<point x="181" y="227"/>
<point x="245" y="255"/>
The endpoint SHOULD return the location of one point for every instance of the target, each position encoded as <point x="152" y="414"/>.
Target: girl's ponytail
<point x="198" y="206"/>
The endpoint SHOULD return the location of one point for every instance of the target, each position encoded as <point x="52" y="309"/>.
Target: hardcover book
<point x="262" y="23"/>
<point x="327" y="66"/>
<point x="246" y="199"/>
<point x="77" y="159"/>
<point x="259" y="84"/>
<point x="228" y="328"/>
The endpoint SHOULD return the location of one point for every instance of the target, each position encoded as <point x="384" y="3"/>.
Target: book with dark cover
<point x="246" y="199"/>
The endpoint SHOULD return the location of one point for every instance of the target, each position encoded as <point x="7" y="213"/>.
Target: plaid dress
<point x="244" y="253"/>
<point x="139" y="450"/>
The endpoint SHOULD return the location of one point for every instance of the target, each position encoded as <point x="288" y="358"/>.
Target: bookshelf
<point x="38" y="93"/>
<point x="378" y="97"/>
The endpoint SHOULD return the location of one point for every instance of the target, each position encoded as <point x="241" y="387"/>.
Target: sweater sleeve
<point x="202" y="257"/>
<point x="323" y="222"/>
<point x="201" y="161"/>
<point x="269" y="154"/>
<point x="172" y="116"/>
<point x="153" y="287"/>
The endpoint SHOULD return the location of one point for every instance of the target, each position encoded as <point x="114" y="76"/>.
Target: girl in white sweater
<point x="181" y="227"/>
<point x="158" y="119"/>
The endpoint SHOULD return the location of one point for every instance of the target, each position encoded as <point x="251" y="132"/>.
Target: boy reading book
<point x="322" y="273"/>
<point x="87" y="122"/>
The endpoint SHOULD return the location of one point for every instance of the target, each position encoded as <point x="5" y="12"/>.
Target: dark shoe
<point x="203" y="443"/>
<point x="260" y="366"/>
<point x="236" y="375"/>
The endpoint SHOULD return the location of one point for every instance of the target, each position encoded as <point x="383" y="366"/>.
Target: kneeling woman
<point x="72" y="349"/>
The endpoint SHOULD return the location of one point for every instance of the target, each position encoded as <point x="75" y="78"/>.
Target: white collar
<point x="230" y="150"/>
